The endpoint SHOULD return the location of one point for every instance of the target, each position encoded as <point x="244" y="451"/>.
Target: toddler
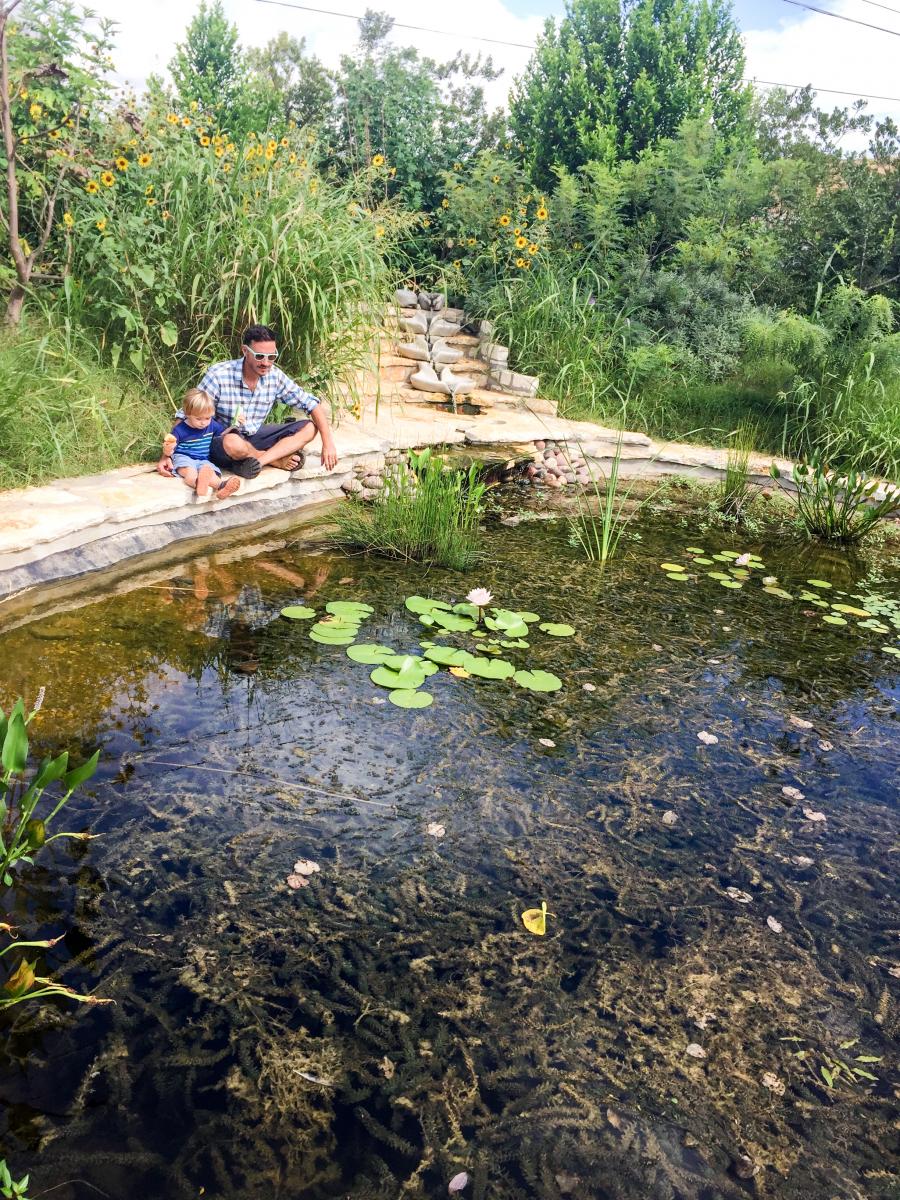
<point x="188" y="446"/>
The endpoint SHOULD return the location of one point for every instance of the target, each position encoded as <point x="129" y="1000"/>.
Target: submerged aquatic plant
<point x="432" y="517"/>
<point x="839" y="508"/>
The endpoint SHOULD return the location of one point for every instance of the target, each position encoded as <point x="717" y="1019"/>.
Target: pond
<point x="711" y="1011"/>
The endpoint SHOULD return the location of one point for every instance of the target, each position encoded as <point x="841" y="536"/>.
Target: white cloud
<point x="831" y="53"/>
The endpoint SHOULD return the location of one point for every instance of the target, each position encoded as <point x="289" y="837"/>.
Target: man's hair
<point x="197" y="402"/>
<point x="257" y="333"/>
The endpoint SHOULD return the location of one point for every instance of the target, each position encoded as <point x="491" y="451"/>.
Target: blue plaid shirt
<point x="225" y="383"/>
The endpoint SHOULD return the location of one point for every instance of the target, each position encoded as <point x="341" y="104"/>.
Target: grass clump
<point x="64" y="413"/>
<point x="429" y="514"/>
<point x="841" y="508"/>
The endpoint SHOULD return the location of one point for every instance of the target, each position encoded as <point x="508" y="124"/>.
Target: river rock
<point x="406" y="298"/>
<point x="416" y="324"/>
<point x="442" y="353"/>
<point x="416" y="349"/>
<point x="439" y="328"/>
<point x="372" y="481"/>
<point x="352" y="487"/>
<point x="426" y="380"/>
<point x="457" y="385"/>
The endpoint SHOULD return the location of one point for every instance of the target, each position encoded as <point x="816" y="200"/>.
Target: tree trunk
<point x="14" y="306"/>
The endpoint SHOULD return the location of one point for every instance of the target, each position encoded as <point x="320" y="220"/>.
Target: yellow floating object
<point x="535" y="919"/>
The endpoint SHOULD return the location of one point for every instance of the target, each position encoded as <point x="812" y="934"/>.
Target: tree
<point x="301" y="87"/>
<point x="208" y="68"/>
<point x="53" y="66"/>
<point x="422" y="116"/>
<point x="619" y="75"/>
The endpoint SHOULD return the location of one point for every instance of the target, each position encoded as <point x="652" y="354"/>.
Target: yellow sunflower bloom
<point x="504" y="220"/>
<point x="218" y="140"/>
<point x="517" y="231"/>
<point x="426" y="224"/>
<point x="204" y="141"/>
<point x="54" y="134"/>
<point x="121" y="164"/>
<point x="378" y="160"/>
<point x="23" y="95"/>
<point x="292" y="158"/>
<point x="194" y="106"/>
<point x="230" y="147"/>
<point x="186" y="122"/>
<point x="144" y="160"/>
<point x="379" y="231"/>
<point x="68" y="220"/>
<point x="456" y="264"/>
<point x="270" y="154"/>
<point x="172" y="118"/>
<point x="107" y="178"/>
<point x="392" y="172"/>
<point x="532" y="249"/>
<point x="457" y="166"/>
<point x="541" y="213"/>
<point x="151" y="202"/>
<point x="272" y="145"/>
<point x="101" y="224"/>
<point x="302" y="164"/>
<point x="521" y="242"/>
<point x="166" y="214"/>
<point x="70" y="124"/>
<point x="495" y="179"/>
<point x="219" y="151"/>
<point x="445" y="203"/>
<point x="148" y="190"/>
<point x="520" y="262"/>
<point x="35" y="110"/>
<point x="285" y="143"/>
<point x="470" y="242"/>
<point x="92" y="187"/>
<point x="226" y="167"/>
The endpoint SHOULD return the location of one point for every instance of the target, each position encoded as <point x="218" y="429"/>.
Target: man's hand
<point x="329" y="454"/>
<point x="164" y="466"/>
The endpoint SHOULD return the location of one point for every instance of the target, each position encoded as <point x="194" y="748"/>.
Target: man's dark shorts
<point x="264" y="438"/>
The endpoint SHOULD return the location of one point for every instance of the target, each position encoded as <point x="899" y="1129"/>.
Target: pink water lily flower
<point x="480" y="597"/>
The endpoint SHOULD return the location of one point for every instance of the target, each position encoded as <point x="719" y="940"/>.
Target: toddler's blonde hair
<point x="196" y="402"/>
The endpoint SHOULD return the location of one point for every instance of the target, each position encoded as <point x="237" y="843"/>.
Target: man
<point x="244" y="390"/>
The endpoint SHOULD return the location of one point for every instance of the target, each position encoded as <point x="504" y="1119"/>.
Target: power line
<point x="840" y="17"/>
<point x="886" y="7"/>
<point x="526" y="46"/>
<point x="399" y="25"/>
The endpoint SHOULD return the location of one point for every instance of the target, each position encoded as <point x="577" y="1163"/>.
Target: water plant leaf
<point x="518" y="644"/>
<point x="779" y="592"/>
<point x="298" y="612"/>
<point x="466" y="610"/>
<point x="453" y="621"/>
<point x="408" y="698"/>
<point x="340" y="639"/>
<point x="491" y="668"/>
<point x="717" y="575"/>
<point x="426" y="619"/>
<point x="678" y="576"/>
<point x="460" y="672"/>
<point x="850" y="611"/>
<point x="818" y="583"/>
<point x="832" y="619"/>
<point x="528" y="617"/>
<point x="667" y="566"/>
<point x="875" y="626"/>
<point x="556" y="630"/>
<point x="730" y="583"/>
<point x="445" y="656"/>
<point x="403" y="662"/>
<point x="421" y="604"/>
<point x="703" y="562"/>
<point x="515" y="628"/>
<point x="406" y="680"/>
<point x="348" y="608"/>
<point x="369" y="653"/>
<point x="694" y="550"/>
<point x="893" y="650"/>
<point x="535" y="919"/>
<point x="538" y="681"/>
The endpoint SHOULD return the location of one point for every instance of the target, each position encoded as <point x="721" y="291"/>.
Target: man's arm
<point x="329" y="450"/>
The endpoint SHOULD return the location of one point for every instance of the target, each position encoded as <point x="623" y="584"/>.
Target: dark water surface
<point x="393" y="1023"/>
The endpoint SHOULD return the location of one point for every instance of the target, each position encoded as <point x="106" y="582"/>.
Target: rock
<point x="745" y="1167"/>
<point x="405" y="298"/>
<point x="569" y="476"/>
<point x="540" y="445"/>
<point x="442" y="353"/>
<point x="368" y="494"/>
<point x="423" y="299"/>
<point x="416" y="349"/>
<point x="438" y="300"/>
<point x="457" y="385"/>
<point x="416" y="324"/>
<point x="426" y="380"/>
<point x="372" y="481"/>
<point x="549" y="455"/>
<point x="352" y="487"/>
<point x="530" y="471"/>
<point x="439" y="328"/>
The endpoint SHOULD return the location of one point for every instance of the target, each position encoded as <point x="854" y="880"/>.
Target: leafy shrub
<point x="839" y="507"/>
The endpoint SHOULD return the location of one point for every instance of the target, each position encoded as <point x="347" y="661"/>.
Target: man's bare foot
<point x="290" y="462"/>
<point x="226" y="489"/>
<point x="206" y="478"/>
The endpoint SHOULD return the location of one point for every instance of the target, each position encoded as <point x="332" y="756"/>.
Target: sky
<point x="784" y="43"/>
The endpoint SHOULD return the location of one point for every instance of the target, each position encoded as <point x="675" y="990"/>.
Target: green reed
<point x="838" y="507"/>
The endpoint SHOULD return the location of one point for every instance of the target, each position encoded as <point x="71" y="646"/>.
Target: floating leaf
<point x="869" y="1058"/>
<point x="490" y="668"/>
<point x="694" y="550"/>
<point x="730" y="583"/>
<point x="779" y="592"/>
<point x="818" y="583"/>
<point x="349" y="608"/>
<point x="676" y="567"/>
<point x="678" y="577"/>
<point x="411" y="679"/>
<point x="535" y="919"/>
<point x="703" y="562"/>
<point x="831" y="619"/>
<point x="369" y="653"/>
<point x="827" y="1076"/>
<point x="528" y="617"/>
<point x="421" y="604"/>
<point x="298" y="612"/>
<point x="875" y="626"/>
<point x="460" y="672"/>
<point x="850" y="610"/>
<point x="718" y="575"/>
<point x="343" y="639"/>
<point x="519" y="644"/>
<point x="467" y="610"/>
<point x="453" y="621"/>
<point x="538" y="681"/>
<point x="556" y="630"/>
<point x="407" y="698"/>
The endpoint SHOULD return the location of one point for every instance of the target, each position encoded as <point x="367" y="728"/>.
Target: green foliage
<point x="301" y="88"/>
<point x="835" y="507"/>
<point x="12" y="1189"/>
<point x="602" y="512"/>
<point x="615" y="77"/>
<point x="432" y="518"/>
<point x="736" y="493"/>
<point x="207" y="68"/>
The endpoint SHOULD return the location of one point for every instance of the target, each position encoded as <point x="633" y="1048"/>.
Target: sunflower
<point x="205" y="140"/>
<point x="172" y="118"/>
<point x="23" y="95"/>
<point x="504" y="220"/>
<point x="219" y="151"/>
<point x="426" y="224"/>
<point x="226" y="167"/>
<point x="457" y="166"/>
<point x="379" y="231"/>
<point x="470" y="242"/>
<point x="520" y="263"/>
<point x="541" y="213"/>
<point x="392" y="172"/>
<point x="302" y="164"/>
<point x="92" y="187"/>
<point x="101" y="224"/>
<point x="186" y="122"/>
<point x="230" y="147"/>
<point x="457" y="264"/>
<point x="121" y="164"/>
<point x="285" y="143"/>
<point x="521" y="242"/>
<point x="166" y="214"/>
<point x="292" y="158"/>
<point x="495" y="179"/>
<point x="148" y="190"/>
<point x="193" y="106"/>
<point x="151" y="203"/>
<point x="54" y="134"/>
<point x="517" y="231"/>
<point x="272" y="145"/>
<point x="270" y="154"/>
<point x="523" y="212"/>
<point x="68" y="220"/>
<point x="144" y="160"/>
<point x="532" y="249"/>
<point x="107" y="178"/>
<point x="445" y="203"/>
<point x="35" y="110"/>
<point x="378" y="160"/>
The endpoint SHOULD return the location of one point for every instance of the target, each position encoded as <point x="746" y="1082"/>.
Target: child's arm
<point x="164" y="466"/>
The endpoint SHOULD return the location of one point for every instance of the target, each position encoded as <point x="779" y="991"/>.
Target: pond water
<point x="714" y="956"/>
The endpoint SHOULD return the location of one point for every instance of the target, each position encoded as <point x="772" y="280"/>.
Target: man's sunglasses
<point x="264" y="357"/>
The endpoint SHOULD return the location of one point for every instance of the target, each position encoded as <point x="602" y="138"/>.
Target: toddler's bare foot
<point x="206" y="478"/>
<point x="226" y="489"/>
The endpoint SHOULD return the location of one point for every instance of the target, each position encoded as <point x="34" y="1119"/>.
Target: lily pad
<point x="518" y="644"/>
<point x="452" y="621"/>
<point x="676" y="567"/>
<point x="490" y="668"/>
<point x="386" y="678"/>
<point x="892" y="650"/>
<point x="730" y="583"/>
<point x="831" y="619"/>
<point x="528" y="617"/>
<point x="818" y="583"/>
<point x="694" y="550"/>
<point x="348" y="608"/>
<point x="407" y="698"/>
<point x="717" y="575"/>
<point x="703" y="562"/>
<point x="556" y="630"/>
<point x="779" y="592"/>
<point x="445" y="656"/>
<point x="298" y="612"/>
<point x="875" y="626"/>
<point x="538" y="681"/>
<point x="422" y="604"/>
<point x="369" y="653"/>
<point x="466" y="610"/>
<point x="678" y="576"/>
<point x="850" y="610"/>
<point x="345" y="639"/>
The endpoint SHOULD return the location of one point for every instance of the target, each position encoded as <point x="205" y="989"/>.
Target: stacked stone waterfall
<point x="429" y="328"/>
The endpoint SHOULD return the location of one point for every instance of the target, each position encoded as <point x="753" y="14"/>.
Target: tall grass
<point x="63" y="413"/>
<point x="602" y="512"/>
<point x="431" y="516"/>
<point x="736" y="493"/>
